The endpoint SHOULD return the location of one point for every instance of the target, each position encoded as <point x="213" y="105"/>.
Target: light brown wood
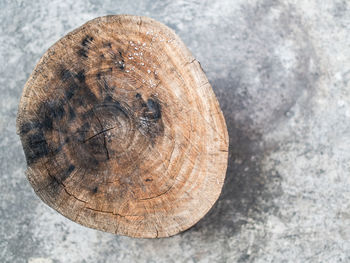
<point x="122" y="131"/>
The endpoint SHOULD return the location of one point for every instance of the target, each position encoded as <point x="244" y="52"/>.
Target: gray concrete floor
<point x="281" y="72"/>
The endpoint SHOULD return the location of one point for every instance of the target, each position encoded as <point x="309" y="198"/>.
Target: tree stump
<point x="122" y="131"/>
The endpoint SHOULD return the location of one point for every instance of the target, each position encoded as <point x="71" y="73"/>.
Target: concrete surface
<point x="281" y="71"/>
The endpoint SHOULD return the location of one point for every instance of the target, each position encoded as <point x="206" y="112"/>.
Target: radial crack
<point x="103" y="131"/>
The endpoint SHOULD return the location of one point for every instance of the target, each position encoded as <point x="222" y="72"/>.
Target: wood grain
<point x="122" y="131"/>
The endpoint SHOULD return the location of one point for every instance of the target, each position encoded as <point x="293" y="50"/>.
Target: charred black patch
<point x="79" y="101"/>
<point x="57" y="111"/>
<point x="85" y="126"/>
<point x="70" y="91"/>
<point x="50" y="111"/>
<point x="106" y="86"/>
<point x="83" y="52"/>
<point x="35" y="146"/>
<point x="108" y="98"/>
<point x="71" y="113"/>
<point x="80" y="76"/>
<point x="25" y="128"/>
<point x="122" y="65"/>
<point x="87" y="116"/>
<point x="96" y="147"/>
<point x="57" y="149"/>
<point x="80" y="134"/>
<point x="33" y="132"/>
<point x="65" y="74"/>
<point x="140" y="104"/>
<point x="28" y="126"/>
<point x="69" y="171"/>
<point x="153" y="110"/>
<point x="86" y="41"/>
<point x="87" y="95"/>
<point x="150" y="122"/>
<point x="47" y="123"/>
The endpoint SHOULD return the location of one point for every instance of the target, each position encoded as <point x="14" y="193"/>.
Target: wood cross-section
<point x="122" y="131"/>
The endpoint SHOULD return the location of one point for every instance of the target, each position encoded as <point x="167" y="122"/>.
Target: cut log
<point x="122" y="131"/>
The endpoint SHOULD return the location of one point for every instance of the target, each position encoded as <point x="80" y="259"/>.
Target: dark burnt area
<point x="122" y="66"/>
<point x="35" y="146"/>
<point x="57" y="149"/>
<point x="95" y="147"/>
<point x="68" y="172"/>
<point x="87" y="116"/>
<point x="85" y="126"/>
<point x="80" y="135"/>
<point x="86" y="41"/>
<point x="65" y="74"/>
<point x="81" y="76"/>
<point x="50" y="111"/>
<point x="77" y="91"/>
<point x="62" y="170"/>
<point x="71" y="113"/>
<point x="33" y="132"/>
<point x="89" y="97"/>
<point x="108" y="98"/>
<point x="149" y="117"/>
<point x="85" y="46"/>
<point x="55" y="115"/>
<point x="83" y="52"/>
<point x="69" y="93"/>
<point x="28" y="126"/>
<point x="79" y="101"/>
<point x="153" y="111"/>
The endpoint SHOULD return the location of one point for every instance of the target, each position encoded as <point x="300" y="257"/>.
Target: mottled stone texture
<point x="281" y="72"/>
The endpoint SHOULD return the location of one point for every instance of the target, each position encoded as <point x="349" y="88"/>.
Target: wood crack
<point x="97" y="134"/>
<point x="107" y="212"/>
<point x="149" y="198"/>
